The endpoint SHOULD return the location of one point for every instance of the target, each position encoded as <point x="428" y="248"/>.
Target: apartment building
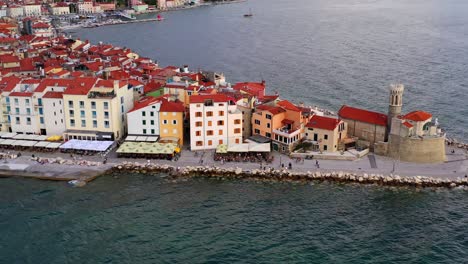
<point x="214" y="120"/>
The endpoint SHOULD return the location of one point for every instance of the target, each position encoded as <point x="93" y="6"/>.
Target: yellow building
<point x="326" y="133"/>
<point x="161" y="117"/>
<point x="95" y="109"/>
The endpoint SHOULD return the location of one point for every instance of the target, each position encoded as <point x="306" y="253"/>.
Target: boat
<point x="160" y="18"/>
<point x="249" y="14"/>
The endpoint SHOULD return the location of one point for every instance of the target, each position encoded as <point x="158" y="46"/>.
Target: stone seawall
<point x="285" y="175"/>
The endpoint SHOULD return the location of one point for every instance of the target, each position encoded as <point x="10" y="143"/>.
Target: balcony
<point x="285" y="132"/>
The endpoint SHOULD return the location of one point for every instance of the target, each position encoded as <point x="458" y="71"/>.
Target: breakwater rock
<point x="286" y="175"/>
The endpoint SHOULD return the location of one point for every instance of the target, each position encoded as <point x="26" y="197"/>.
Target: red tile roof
<point x="288" y="106"/>
<point x="407" y="124"/>
<point x="7" y="84"/>
<point x="218" y="98"/>
<point x="272" y="109"/>
<point x="53" y="95"/>
<point x="21" y="94"/>
<point x="417" y="116"/>
<point x="41" y="25"/>
<point x="81" y="86"/>
<point x="322" y="122"/>
<point x="144" y="102"/>
<point x="171" y="106"/>
<point x="252" y="88"/>
<point x="348" y="112"/>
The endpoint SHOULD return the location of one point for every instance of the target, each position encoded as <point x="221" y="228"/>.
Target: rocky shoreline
<point x="285" y="175"/>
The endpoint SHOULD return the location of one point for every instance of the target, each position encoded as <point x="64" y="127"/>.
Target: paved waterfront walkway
<point x="456" y="167"/>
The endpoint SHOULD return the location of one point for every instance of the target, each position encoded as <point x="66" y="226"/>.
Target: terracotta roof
<point x="9" y="59"/>
<point x="7" y="84"/>
<point x="41" y="25"/>
<point x="417" y="116"/>
<point x="54" y="95"/>
<point x="252" y="88"/>
<point x="272" y="109"/>
<point x="21" y="94"/>
<point x="322" y="122"/>
<point x="362" y="115"/>
<point x="218" y="98"/>
<point x="171" y="106"/>
<point x="288" y="106"/>
<point x="81" y="86"/>
<point x="144" y="102"/>
<point x="407" y="124"/>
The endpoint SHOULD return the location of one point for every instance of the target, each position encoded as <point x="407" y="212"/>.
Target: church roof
<point x="417" y="116"/>
<point x="362" y="115"/>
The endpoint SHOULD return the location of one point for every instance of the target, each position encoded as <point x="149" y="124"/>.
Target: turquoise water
<point x="147" y="219"/>
<point x="324" y="52"/>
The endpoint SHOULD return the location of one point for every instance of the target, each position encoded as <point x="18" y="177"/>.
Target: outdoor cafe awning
<point x="142" y="138"/>
<point x="53" y="145"/>
<point x="41" y="144"/>
<point x="147" y="148"/>
<point x="237" y="148"/>
<point x="259" y="147"/>
<point x="8" y="135"/>
<point x="77" y="144"/>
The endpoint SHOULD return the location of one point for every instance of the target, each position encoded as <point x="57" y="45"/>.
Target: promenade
<point x="455" y="168"/>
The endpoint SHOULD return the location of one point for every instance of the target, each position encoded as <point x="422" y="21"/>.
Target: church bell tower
<point x="395" y="103"/>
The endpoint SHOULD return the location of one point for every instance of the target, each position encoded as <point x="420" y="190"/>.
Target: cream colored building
<point x="96" y="109"/>
<point x="214" y="120"/>
<point x="15" y="11"/>
<point x="326" y="133"/>
<point x="32" y="10"/>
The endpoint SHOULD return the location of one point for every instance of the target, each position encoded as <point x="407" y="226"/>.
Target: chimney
<point x="263" y="82"/>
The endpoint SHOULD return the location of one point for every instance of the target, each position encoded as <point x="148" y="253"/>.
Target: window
<point x="210" y="142"/>
<point x="70" y="104"/>
<point x="256" y="131"/>
<point x="94" y="123"/>
<point x="220" y="132"/>
<point x="72" y="113"/>
<point x="82" y="114"/>
<point x="174" y="131"/>
<point x="83" y="123"/>
<point x="16" y="101"/>
<point x="17" y="110"/>
<point x="220" y="123"/>
<point x="237" y="131"/>
<point x="152" y="131"/>
<point x="165" y="122"/>
<point x="151" y="113"/>
<point x="143" y="113"/>
<point x="199" y="143"/>
<point x="237" y="141"/>
<point x="144" y="131"/>
<point x="268" y="125"/>
<point x="106" y="115"/>
<point x="198" y="114"/>
<point x="72" y="122"/>
<point x="174" y="122"/>
<point x="237" y="122"/>
<point x="93" y="113"/>
<point x="198" y="124"/>
<point x="28" y="111"/>
<point x="106" y="124"/>
<point x="41" y="111"/>
<point x="39" y="101"/>
<point x="93" y="105"/>
<point x="325" y="137"/>
<point x="221" y="113"/>
<point x="198" y="133"/>
<point x="41" y="120"/>
<point x="209" y="113"/>
<point x="27" y="101"/>
<point x="121" y="100"/>
<point x="143" y="122"/>
<point x="325" y="147"/>
<point x="220" y="142"/>
<point x="210" y="123"/>
<point x="209" y="132"/>
<point x="81" y="104"/>
<point x="257" y="122"/>
<point x="17" y="120"/>
<point x="267" y="116"/>
<point x="106" y="105"/>
<point x="268" y="135"/>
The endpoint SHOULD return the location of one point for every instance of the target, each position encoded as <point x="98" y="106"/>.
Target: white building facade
<point x="214" y="120"/>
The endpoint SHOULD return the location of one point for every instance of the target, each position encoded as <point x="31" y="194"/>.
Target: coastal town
<point x="63" y="95"/>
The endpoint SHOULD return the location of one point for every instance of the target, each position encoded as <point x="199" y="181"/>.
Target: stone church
<point x="412" y="137"/>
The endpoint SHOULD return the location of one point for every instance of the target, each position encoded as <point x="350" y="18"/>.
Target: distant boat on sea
<point x="249" y="14"/>
<point x="160" y="18"/>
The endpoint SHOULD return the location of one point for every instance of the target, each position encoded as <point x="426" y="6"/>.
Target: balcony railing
<point x="94" y="94"/>
<point x="287" y="132"/>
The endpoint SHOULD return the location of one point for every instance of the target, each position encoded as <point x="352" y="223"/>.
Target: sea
<point x="320" y="52"/>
